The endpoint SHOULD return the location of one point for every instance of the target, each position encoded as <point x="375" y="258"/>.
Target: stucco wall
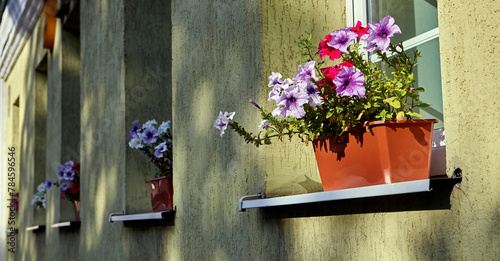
<point x="125" y="77"/>
<point x="469" y="58"/>
<point x="217" y="59"/>
<point x="102" y="123"/>
<point x="21" y="122"/>
<point x="221" y="55"/>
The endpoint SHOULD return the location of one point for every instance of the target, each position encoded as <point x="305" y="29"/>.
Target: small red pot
<point x="388" y="152"/>
<point x="161" y="191"/>
<point x="76" y="209"/>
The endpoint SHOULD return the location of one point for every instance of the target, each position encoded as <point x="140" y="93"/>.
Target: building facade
<point x="113" y="62"/>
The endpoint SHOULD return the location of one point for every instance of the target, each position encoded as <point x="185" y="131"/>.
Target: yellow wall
<point x="221" y="55"/>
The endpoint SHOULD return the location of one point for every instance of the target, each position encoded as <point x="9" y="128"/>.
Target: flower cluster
<point x="69" y="184"/>
<point x="40" y="197"/>
<point x="69" y="181"/>
<point x="323" y="101"/>
<point x="154" y="142"/>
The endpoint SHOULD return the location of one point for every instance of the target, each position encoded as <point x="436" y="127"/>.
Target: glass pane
<point x="412" y="16"/>
<point x="428" y="76"/>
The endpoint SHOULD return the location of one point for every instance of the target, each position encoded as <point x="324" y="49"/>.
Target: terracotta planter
<point x="76" y="209"/>
<point x="50" y="33"/>
<point x="162" y="193"/>
<point x="388" y="152"/>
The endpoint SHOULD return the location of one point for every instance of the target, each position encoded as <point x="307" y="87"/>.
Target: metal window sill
<point x="67" y="224"/>
<point x="37" y="228"/>
<point x="256" y="201"/>
<point x="152" y="216"/>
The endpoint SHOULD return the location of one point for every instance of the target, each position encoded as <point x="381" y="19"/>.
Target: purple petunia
<point x="350" y="82"/>
<point x="222" y="121"/>
<point x="274" y="79"/>
<point x="69" y="174"/>
<point x="64" y="186"/>
<point x="149" y="135"/>
<point x="380" y="34"/>
<point x="341" y="39"/>
<point x="69" y="164"/>
<point x="293" y="99"/>
<point x="306" y="72"/>
<point x="133" y="132"/>
<point x="313" y="92"/>
<point x="60" y="172"/>
<point x="160" y="149"/>
<point x="275" y="93"/>
<point x="48" y="184"/>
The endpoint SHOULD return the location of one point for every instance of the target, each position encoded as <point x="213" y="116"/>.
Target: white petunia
<point x="164" y="127"/>
<point x="264" y="124"/>
<point x="41" y="187"/>
<point x="136" y="144"/>
<point x="149" y="124"/>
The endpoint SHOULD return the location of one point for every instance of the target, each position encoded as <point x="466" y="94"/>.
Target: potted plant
<point x="156" y="143"/>
<point x="354" y="112"/>
<point x="68" y="175"/>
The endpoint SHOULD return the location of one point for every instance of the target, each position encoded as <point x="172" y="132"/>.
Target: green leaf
<point x="400" y="115"/>
<point x="419" y="89"/>
<point x="389" y="100"/>
<point x="422" y="105"/>
<point x="393" y="102"/>
<point x="329" y="114"/>
<point x="410" y="77"/>
<point x="414" y="114"/>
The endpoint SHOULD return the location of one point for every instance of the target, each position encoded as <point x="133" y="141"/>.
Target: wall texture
<point x="213" y="56"/>
<point x="470" y="72"/>
<point x="291" y="166"/>
<point x="102" y="119"/>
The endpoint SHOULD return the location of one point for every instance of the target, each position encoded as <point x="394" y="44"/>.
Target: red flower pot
<point x="377" y="153"/>
<point x="76" y="209"/>
<point x="162" y="193"/>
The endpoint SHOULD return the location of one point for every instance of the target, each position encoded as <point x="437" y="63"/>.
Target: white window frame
<point x="356" y="10"/>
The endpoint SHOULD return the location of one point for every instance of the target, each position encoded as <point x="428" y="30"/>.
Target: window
<point x="418" y="21"/>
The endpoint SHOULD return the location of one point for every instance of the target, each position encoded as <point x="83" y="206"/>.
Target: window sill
<point x="35" y="229"/>
<point x="67" y="225"/>
<point x="151" y="217"/>
<point x="386" y="190"/>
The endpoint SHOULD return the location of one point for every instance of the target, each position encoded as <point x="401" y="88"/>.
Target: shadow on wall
<point x="27" y="112"/>
<point x="219" y="69"/>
